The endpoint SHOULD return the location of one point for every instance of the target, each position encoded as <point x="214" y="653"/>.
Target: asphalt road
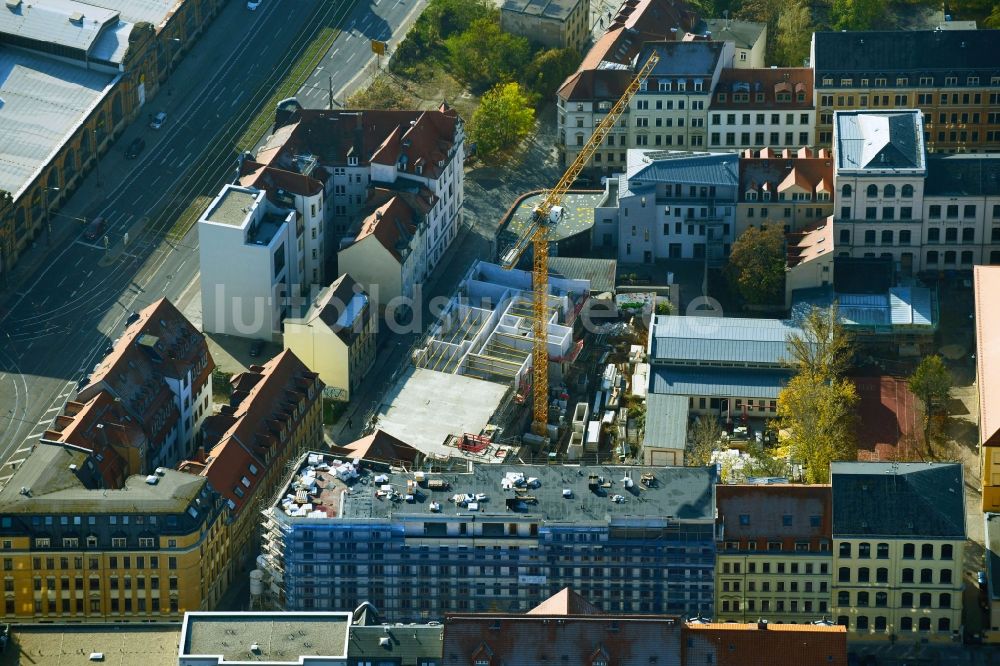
<point x="65" y="304"/>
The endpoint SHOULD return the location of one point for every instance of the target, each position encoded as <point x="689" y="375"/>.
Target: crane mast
<point x="537" y="237"/>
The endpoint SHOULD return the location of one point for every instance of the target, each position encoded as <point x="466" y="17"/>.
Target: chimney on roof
<point x="762" y="625"/>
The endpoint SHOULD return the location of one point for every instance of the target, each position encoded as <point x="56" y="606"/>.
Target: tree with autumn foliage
<point x="756" y="268"/>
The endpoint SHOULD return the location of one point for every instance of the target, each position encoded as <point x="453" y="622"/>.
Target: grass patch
<point x="188" y="218"/>
<point x="333" y="410"/>
<point x="222" y="388"/>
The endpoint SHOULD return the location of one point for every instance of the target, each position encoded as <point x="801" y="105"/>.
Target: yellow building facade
<point x="74" y="554"/>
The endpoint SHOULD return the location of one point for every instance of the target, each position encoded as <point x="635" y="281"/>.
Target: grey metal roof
<point x="885" y="141"/>
<point x="113" y="43"/>
<point x="735" y="340"/>
<point x="556" y="9"/>
<point x="685" y="60"/>
<point x="921" y="52"/>
<point x="74" y="25"/>
<point x="600" y="272"/>
<point x="742" y="33"/>
<point x="44" y="101"/>
<point x="156" y="12"/>
<point x="898" y="500"/>
<point x="407" y="646"/>
<point x="963" y="174"/>
<point x="647" y="167"/>
<point x="666" y="421"/>
<point x="717" y="383"/>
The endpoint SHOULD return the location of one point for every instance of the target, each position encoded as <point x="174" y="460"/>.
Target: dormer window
<point x="352" y="161"/>
<point x="664" y="86"/>
<point x="766" y="196"/>
<point x="681" y="86"/>
<point x="751" y="195"/>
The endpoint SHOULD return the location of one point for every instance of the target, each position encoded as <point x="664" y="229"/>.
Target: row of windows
<point x="909" y="551"/>
<point x="779" y="606"/>
<point x="882" y="575"/>
<point x="94" y="583"/>
<point x="92" y="541"/>
<point x="780" y="97"/>
<point x="77" y="606"/>
<point x="888" y="192"/>
<point x="779" y="567"/>
<point x="48" y="521"/>
<point x="760" y="118"/>
<point x="779" y="586"/>
<point x="905" y="623"/>
<point x="903" y="81"/>
<point x="881" y="599"/>
<point x="775" y="139"/>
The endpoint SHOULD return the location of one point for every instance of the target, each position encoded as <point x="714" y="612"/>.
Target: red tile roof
<point x="257" y="425"/>
<point x="393" y="224"/>
<point x="379" y="446"/>
<point x="565" y="602"/>
<point x="777" y="171"/>
<point x="734" y="644"/>
<point x="765" y="507"/>
<point x="809" y="243"/>
<point x="160" y="343"/>
<point x="102" y="428"/>
<point x="767" y="82"/>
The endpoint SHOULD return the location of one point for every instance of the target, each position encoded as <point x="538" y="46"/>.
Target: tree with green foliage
<point x="485" y="55"/>
<point x="794" y="34"/>
<point x="549" y="68"/>
<point x="856" y="14"/>
<point x="819" y="418"/>
<point x="931" y="383"/>
<point x="756" y="268"/>
<point x="439" y="21"/>
<point x="703" y="441"/>
<point x="993" y="20"/>
<point x="763" y="11"/>
<point x="451" y="17"/>
<point x="503" y="119"/>
<point x="823" y="351"/>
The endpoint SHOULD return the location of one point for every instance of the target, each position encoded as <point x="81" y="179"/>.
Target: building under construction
<point x="471" y="375"/>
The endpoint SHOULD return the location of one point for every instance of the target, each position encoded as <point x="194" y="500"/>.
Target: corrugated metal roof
<point x="666" y="421"/>
<point x="112" y="44"/>
<point x="717" y="383"/>
<point x="153" y="11"/>
<point x="600" y="272"/>
<point x="68" y="23"/>
<point x="722" y="339"/>
<point x="44" y="101"/>
<point x="676" y="166"/>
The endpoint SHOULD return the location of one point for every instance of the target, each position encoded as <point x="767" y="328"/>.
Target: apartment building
<point x="670" y="110"/>
<point x="898" y="543"/>
<point x="925" y="213"/>
<point x="606" y="71"/>
<point x="353" y="151"/>
<point x="252" y="256"/>
<point x="671" y="204"/>
<point x="83" y="538"/>
<point x="419" y="545"/>
<point x="157" y="380"/>
<point x="762" y="108"/>
<point x="749" y="39"/>
<point x="554" y="24"/>
<point x="793" y="188"/>
<point x="274" y="413"/>
<point x="773" y="553"/>
<point x="951" y="76"/>
<point x="335" y="337"/>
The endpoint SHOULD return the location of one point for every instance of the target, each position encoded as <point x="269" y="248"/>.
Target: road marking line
<point x="65" y="277"/>
<point x="52" y="409"/>
<point x="185" y="160"/>
<point x="170" y="152"/>
<point x="26" y="449"/>
<point x="334" y="54"/>
<point x="32" y="436"/>
<point x="15" y="463"/>
<point x="78" y="261"/>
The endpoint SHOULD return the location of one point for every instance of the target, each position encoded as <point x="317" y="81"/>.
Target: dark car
<point x="95" y="229"/>
<point x="255" y="348"/>
<point x="135" y="148"/>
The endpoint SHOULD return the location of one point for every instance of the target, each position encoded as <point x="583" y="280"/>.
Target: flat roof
<point x="556" y="9"/>
<point x="578" y="215"/>
<point x="68" y="23"/>
<point x="986" y="287"/>
<point x="232" y="206"/>
<point x="371" y="492"/>
<point x="425" y="408"/>
<point x="68" y="645"/>
<point x="44" y="102"/>
<point x="279" y="637"/>
<point x="157" y="12"/>
<point x="736" y="340"/>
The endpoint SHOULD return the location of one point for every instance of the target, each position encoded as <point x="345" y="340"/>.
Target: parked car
<point x="255" y="348"/>
<point x="252" y="5"/>
<point x="135" y="148"/>
<point x="158" y="120"/>
<point x="95" y="229"/>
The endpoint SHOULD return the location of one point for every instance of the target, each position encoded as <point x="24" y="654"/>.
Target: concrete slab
<point x="122" y="645"/>
<point x="425" y="407"/>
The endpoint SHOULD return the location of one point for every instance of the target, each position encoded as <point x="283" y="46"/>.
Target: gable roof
<point x="678" y="166"/>
<point x="256" y="426"/>
<point x="380" y="446"/>
<point x="565" y="602"/>
<point x="808" y="243"/>
<point x="722" y="339"/>
<point x="767" y="82"/>
<point x="963" y="174"/>
<point x="877" y="51"/>
<point x="898" y="500"/>
<point x="341" y="306"/>
<point x="813" y="172"/>
<point x="742" y="33"/>
<point x="393" y="224"/>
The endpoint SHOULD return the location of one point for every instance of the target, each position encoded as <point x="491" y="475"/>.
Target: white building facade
<point x="252" y="261"/>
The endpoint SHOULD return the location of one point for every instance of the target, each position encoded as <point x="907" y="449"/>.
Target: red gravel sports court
<point x="888" y="419"/>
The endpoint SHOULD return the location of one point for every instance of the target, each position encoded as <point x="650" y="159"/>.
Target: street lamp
<point x="97" y="152"/>
<point x="48" y="215"/>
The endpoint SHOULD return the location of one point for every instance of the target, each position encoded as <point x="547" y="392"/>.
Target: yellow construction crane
<point x="536" y="236"/>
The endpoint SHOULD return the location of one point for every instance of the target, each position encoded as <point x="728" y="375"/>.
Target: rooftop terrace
<point x="326" y="487"/>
